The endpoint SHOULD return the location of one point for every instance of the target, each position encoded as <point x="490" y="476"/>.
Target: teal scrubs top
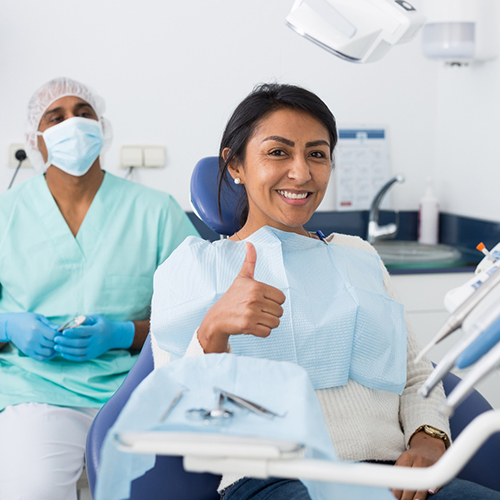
<point x="107" y="269"/>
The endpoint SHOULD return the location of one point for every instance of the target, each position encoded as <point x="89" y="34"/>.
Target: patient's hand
<point x="248" y="307"/>
<point x="424" y="451"/>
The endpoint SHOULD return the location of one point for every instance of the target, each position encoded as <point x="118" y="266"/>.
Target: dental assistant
<point x="74" y="240"/>
<point x="277" y="291"/>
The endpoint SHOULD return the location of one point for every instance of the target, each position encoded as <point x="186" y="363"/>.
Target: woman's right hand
<point x="249" y="307"/>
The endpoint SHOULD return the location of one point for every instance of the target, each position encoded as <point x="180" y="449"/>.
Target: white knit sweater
<point x="365" y="424"/>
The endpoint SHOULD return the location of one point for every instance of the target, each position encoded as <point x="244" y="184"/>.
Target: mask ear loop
<point x="47" y="164"/>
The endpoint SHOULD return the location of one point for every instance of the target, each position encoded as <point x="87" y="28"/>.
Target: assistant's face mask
<point x="73" y="145"/>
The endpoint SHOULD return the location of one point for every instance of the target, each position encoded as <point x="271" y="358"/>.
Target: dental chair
<point x="168" y="480"/>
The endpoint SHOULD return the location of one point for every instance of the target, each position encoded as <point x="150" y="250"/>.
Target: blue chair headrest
<point x="204" y="199"/>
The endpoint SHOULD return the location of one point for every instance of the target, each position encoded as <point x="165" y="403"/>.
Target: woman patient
<point x="324" y="303"/>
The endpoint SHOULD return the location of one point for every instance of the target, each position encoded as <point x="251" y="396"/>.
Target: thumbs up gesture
<point x="248" y="307"/>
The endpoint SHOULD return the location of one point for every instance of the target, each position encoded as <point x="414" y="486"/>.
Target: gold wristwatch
<point x="433" y="432"/>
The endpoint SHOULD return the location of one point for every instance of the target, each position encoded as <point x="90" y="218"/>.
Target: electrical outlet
<point x="131" y="156"/>
<point x="142" y="157"/>
<point x="12" y="160"/>
<point x="154" y="156"/>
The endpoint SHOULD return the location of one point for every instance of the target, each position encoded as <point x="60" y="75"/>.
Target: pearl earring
<point x="237" y="180"/>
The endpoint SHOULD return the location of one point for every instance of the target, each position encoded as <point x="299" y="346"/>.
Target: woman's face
<point x="286" y="170"/>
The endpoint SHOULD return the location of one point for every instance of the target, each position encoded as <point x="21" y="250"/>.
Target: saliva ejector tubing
<point x="455" y="320"/>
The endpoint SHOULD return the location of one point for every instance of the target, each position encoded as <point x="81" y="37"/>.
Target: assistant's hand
<point x="248" y="307"/>
<point x="32" y="333"/>
<point x="424" y="451"/>
<point x="95" y="337"/>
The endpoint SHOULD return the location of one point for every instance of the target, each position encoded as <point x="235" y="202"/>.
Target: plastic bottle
<point x="428" y="217"/>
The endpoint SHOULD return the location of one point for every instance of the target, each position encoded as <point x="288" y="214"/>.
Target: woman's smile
<point x="294" y="197"/>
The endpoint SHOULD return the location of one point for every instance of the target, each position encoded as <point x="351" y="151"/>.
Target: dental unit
<point x="474" y="327"/>
<point x="479" y="319"/>
<point x="456" y="319"/>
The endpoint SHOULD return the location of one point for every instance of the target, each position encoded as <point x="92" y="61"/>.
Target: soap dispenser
<point x="428" y="216"/>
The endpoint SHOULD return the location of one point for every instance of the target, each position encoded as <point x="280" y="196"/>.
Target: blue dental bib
<point x="338" y="322"/>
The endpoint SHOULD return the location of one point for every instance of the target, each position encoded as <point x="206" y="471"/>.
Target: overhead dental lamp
<point x="356" y="30"/>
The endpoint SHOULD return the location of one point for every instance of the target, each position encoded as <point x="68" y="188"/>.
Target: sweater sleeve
<point x="414" y="410"/>
<point x="162" y="357"/>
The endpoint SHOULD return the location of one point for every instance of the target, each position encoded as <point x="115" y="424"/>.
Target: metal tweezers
<point x="249" y="405"/>
<point x="72" y="323"/>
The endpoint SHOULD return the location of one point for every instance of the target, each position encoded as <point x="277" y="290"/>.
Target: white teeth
<point x="293" y="196"/>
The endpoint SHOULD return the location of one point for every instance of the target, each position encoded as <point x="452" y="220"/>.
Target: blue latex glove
<point x="488" y="339"/>
<point x="32" y="333"/>
<point x="95" y="337"/>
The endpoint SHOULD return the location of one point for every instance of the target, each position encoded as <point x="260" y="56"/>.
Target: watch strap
<point x="433" y="432"/>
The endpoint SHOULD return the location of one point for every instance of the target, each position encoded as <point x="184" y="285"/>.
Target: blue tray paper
<point x="279" y="386"/>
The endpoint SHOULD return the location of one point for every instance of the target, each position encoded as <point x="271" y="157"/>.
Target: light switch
<point x="154" y="156"/>
<point x="131" y="156"/>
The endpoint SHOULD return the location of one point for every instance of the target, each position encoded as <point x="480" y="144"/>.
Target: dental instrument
<point x="486" y="252"/>
<point x="445" y="365"/>
<point x="475" y="328"/>
<point x="484" y="343"/>
<point x="73" y="323"/>
<point x="457" y="296"/>
<point x="172" y="405"/>
<point x="248" y="405"/>
<point x="486" y="263"/>
<point x="95" y="336"/>
<point x="481" y="320"/>
<point x="490" y="362"/>
<point x="456" y="319"/>
<point x="221" y="413"/>
<point x="218" y="413"/>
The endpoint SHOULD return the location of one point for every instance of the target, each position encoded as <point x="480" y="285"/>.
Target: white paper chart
<point x="361" y="167"/>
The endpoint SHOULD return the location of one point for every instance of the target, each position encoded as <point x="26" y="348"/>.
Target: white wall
<point x="171" y="73"/>
<point x="468" y="134"/>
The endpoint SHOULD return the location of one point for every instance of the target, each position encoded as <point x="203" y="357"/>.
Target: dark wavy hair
<point x="263" y="100"/>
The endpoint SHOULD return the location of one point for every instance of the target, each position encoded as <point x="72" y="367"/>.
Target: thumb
<point x="46" y="322"/>
<point x="248" y="267"/>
